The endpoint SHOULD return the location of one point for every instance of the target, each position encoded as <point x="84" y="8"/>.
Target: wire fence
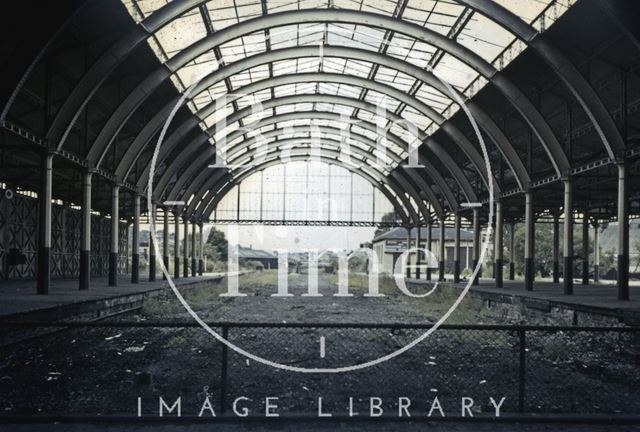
<point x="102" y="368"/>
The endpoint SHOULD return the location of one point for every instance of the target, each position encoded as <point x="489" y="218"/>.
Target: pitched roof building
<point x="390" y="245"/>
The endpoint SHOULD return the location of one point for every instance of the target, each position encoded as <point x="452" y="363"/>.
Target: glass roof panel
<point x="447" y="17"/>
<point x="437" y="15"/>
<point x="484" y="37"/>
<point x="204" y="64"/>
<point x="355" y="36"/>
<point x="527" y="10"/>
<point x="455" y="72"/>
<point x="181" y="32"/>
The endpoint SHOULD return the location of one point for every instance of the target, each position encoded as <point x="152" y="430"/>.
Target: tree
<point x="388" y="218"/>
<point x="607" y="262"/>
<point x="359" y="262"/>
<point x="544" y="249"/>
<point x="219" y="244"/>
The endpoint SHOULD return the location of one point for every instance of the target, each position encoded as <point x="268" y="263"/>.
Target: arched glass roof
<point x="256" y="81"/>
<point x="471" y="29"/>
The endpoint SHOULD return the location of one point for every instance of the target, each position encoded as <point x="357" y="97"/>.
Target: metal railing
<point x="546" y="371"/>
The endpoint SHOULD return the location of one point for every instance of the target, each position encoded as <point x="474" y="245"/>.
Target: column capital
<point x="49" y="152"/>
<point x="566" y="178"/>
<point x="621" y="158"/>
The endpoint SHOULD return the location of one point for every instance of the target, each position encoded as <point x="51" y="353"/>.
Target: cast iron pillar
<point x="185" y="247"/>
<point x="115" y="235"/>
<point x="418" y="252"/>
<point x="567" y="239"/>
<point x="44" y="238"/>
<point x="441" y="252"/>
<point x="623" y="234"/>
<point x="529" y="245"/>
<point x="512" y="251"/>
<point x="556" y="247"/>
<point x="585" y="248"/>
<point x="176" y="246"/>
<point x="429" y="244"/>
<point x="596" y="252"/>
<point x="193" y="249"/>
<point x="476" y="245"/>
<point x="152" y="245"/>
<point x="456" y="248"/>
<point x="135" y="245"/>
<point x="498" y="246"/>
<point x="85" y="247"/>
<point x="201" y="260"/>
<point x="165" y="242"/>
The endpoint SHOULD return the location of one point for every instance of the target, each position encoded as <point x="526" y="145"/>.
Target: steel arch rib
<point x="433" y="146"/>
<point x="398" y="202"/>
<point x="485" y="122"/>
<point x="205" y="182"/>
<point x="101" y="69"/>
<point x="513" y="94"/>
<point x="394" y="200"/>
<point x="430" y="142"/>
<point x="468" y="149"/>
<point x="95" y="76"/>
<point x="195" y="184"/>
<point x="404" y="184"/>
<point x="419" y="181"/>
<point x="203" y="177"/>
<point x="433" y="173"/>
<point x="563" y="67"/>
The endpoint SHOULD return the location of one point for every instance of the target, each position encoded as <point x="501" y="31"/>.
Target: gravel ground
<point x="310" y="426"/>
<point x="102" y="371"/>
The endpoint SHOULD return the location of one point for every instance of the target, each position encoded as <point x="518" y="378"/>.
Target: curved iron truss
<point x="326" y="88"/>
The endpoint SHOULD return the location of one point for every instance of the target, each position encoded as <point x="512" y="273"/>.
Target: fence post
<point x="522" y="346"/>
<point x="223" y="371"/>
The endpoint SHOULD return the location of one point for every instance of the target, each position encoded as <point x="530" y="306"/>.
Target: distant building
<point x="268" y="259"/>
<point x="390" y="245"/>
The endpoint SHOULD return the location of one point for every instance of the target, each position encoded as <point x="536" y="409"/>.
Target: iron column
<point x="567" y="240"/>
<point x="498" y="247"/>
<point x="429" y="244"/>
<point x="135" y="246"/>
<point x="44" y="253"/>
<point x="529" y="246"/>
<point x="408" y="263"/>
<point x="441" y="252"/>
<point x="596" y="252"/>
<point x="556" y="248"/>
<point x="585" y="248"/>
<point x="512" y="251"/>
<point x="456" y="249"/>
<point x="176" y="246"/>
<point x="476" y="245"/>
<point x="115" y="217"/>
<point x="185" y="251"/>
<point x="201" y="261"/>
<point x="165" y="241"/>
<point x="418" y="252"/>
<point x="193" y="249"/>
<point x="85" y="250"/>
<point x="152" y="246"/>
<point x="623" y="234"/>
